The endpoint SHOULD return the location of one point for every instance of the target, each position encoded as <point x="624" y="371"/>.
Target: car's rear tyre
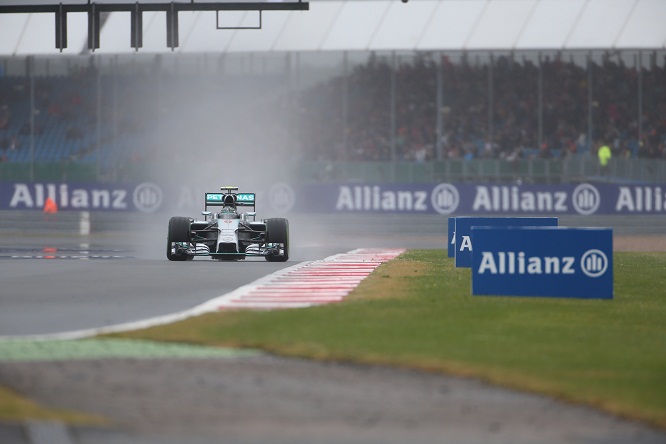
<point x="277" y="232"/>
<point x="179" y="232"/>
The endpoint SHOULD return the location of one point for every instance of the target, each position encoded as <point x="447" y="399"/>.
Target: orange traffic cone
<point x="50" y="209"/>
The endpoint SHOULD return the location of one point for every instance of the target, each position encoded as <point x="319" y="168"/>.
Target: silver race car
<point x="228" y="234"/>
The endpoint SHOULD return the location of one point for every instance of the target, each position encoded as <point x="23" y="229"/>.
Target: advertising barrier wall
<point x="144" y="197"/>
<point x="487" y="200"/>
<point x="443" y="198"/>
<point x="543" y="261"/>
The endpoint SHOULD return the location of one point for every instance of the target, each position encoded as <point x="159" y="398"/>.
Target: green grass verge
<point x="417" y="312"/>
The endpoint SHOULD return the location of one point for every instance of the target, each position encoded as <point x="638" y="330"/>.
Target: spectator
<point x="14" y="144"/>
<point x="604" y="154"/>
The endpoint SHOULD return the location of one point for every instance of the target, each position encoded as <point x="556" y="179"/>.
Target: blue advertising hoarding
<point x="145" y="197"/>
<point x="398" y="198"/>
<point x="482" y="199"/>
<point x="463" y="232"/>
<point x="543" y="261"/>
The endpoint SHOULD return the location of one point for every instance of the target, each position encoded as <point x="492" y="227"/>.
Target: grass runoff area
<point x="417" y="312"/>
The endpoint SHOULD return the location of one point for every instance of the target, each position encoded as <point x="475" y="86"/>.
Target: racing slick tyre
<point x="179" y="231"/>
<point x="277" y="232"/>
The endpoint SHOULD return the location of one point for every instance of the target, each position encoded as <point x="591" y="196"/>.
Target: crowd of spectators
<point x="61" y="107"/>
<point x="73" y="117"/>
<point x="350" y="117"/>
<point x="380" y="110"/>
<point x="143" y="117"/>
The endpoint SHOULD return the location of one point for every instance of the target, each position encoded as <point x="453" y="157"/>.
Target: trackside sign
<point x="543" y="261"/>
<point x="447" y="199"/>
<point x="481" y="199"/>
<point x="145" y="197"/>
<point x="463" y="232"/>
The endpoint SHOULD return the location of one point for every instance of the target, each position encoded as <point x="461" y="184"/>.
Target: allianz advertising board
<point x="543" y="261"/>
<point x="146" y="197"/>
<point x="338" y="197"/>
<point x="481" y="199"/>
<point x="464" y="225"/>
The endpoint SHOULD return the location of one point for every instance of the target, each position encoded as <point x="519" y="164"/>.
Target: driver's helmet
<point x="228" y="212"/>
<point x="229" y="209"/>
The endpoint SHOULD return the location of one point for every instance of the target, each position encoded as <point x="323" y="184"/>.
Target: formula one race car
<point x="228" y="234"/>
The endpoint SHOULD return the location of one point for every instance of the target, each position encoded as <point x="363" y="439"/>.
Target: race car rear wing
<point x="239" y="199"/>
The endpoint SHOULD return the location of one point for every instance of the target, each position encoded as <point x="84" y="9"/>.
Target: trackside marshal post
<point x="463" y="231"/>
<point x="543" y="261"/>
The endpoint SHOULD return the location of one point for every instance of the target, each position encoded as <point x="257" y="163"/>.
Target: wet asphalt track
<point x="54" y="280"/>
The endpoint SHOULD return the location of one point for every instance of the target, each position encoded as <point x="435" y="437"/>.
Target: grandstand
<point x="489" y="102"/>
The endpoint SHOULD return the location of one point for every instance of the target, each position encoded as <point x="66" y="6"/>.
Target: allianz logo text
<point x="377" y="199"/>
<point x="593" y="263"/>
<point x="444" y="199"/>
<point x="585" y="199"/>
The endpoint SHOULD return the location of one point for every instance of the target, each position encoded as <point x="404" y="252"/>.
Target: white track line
<point x="302" y="285"/>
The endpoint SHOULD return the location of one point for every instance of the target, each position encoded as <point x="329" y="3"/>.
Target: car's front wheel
<point x="277" y="239"/>
<point x="178" y="234"/>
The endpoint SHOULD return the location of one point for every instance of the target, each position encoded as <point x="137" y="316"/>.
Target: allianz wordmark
<point x="483" y="199"/>
<point x="543" y="261"/>
<point x="145" y="197"/>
